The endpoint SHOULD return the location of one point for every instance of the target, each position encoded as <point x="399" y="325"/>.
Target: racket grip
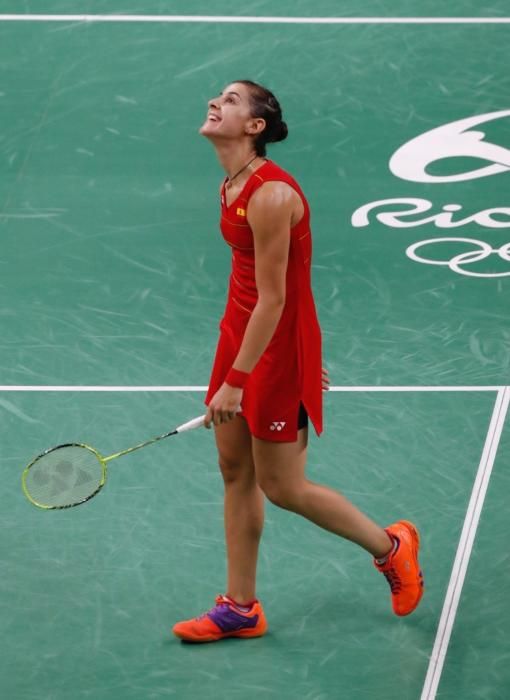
<point x="191" y="424"/>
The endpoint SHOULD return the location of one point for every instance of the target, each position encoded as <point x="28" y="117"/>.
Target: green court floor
<point x="113" y="274"/>
<point x="92" y="592"/>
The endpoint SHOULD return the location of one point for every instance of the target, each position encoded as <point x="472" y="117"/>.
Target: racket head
<point x="64" y="476"/>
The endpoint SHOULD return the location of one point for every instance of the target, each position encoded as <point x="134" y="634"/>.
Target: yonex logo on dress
<point x="278" y="425"/>
<point x="241" y="212"/>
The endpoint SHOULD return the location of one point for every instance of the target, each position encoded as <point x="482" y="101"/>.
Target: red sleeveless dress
<point x="289" y="372"/>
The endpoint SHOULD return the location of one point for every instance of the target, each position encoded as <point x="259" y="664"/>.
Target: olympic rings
<point x="455" y="263"/>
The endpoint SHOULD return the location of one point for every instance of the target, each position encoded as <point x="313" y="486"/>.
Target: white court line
<point x="101" y="388"/>
<point x="465" y="545"/>
<point x="222" y="19"/>
<point x="27" y="387"/>
<point x="415" y="388"/>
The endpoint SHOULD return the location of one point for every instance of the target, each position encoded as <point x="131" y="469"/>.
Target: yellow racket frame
<point x="189" y="425"/>
<point x="102" y="461"/>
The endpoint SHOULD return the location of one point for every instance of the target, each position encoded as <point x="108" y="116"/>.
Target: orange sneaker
<point x="226" y="619"/>
<point x="402" y="569"/>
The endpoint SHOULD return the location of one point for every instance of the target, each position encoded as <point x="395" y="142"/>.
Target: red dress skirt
<point x="289" y="372"/>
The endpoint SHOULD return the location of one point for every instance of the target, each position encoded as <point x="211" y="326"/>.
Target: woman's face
<point x="228" y="115"/>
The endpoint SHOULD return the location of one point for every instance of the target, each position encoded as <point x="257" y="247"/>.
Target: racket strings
<point x="64" y="476"/>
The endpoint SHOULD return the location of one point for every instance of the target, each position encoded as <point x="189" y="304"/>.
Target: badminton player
<point x="268" y="363"/>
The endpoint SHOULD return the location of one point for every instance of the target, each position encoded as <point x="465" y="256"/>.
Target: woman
<point x="267" y="378"/>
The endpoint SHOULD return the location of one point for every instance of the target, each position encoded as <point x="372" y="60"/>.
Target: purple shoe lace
<point x="227" y="618"/>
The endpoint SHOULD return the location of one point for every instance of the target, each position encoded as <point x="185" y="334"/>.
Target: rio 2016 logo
<point x="410" y="162"/>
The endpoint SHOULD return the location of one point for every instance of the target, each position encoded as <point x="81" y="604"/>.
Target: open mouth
<point x="213" y="117"/>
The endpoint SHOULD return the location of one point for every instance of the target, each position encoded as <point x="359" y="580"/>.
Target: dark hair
<point x="265" y="106"/>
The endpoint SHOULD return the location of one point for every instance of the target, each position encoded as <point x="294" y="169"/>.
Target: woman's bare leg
<point x="280" y="469"/>
<point x="244" y="508"/>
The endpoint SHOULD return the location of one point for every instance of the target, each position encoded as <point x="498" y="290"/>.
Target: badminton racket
<point x="72" y="474"/>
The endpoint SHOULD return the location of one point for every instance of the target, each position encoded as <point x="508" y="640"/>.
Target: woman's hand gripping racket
<point x="69" y="475"/>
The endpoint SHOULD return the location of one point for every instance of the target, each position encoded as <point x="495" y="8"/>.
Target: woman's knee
<point x="235" y="468"/>
<point x="280" y="493"/>
<point x="233" y="441"/>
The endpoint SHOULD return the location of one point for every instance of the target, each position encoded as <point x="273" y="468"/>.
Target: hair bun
<point x="280" y="132"/>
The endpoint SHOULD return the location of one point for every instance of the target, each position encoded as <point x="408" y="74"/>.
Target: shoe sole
<point x="242" y="634"/>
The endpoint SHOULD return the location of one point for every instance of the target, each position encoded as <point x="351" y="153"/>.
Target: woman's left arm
<point x="269" y="214"/>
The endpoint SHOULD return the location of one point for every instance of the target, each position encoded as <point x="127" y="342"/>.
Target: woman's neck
<point x="236" y="162"/>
